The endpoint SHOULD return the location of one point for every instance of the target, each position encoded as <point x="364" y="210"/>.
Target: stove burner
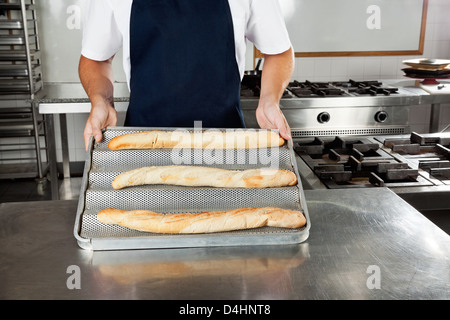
<point x="425" y="145"/>
<point x="441" y="173"/>
<point x="428" y="152"/>
<point x="358" y="84"/>
<point x="373" y="91"/>
<point x="310" y="89"/>
<point x="372" y="88"/>
<point x="338" y="148"/>
<point x="314" y="89"/>
<point x="351" y="162"/>
<point x="254" y="92"/>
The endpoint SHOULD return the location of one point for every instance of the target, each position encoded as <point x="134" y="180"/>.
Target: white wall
<point x="60" y="29"/>
<point x="60" y="26"/>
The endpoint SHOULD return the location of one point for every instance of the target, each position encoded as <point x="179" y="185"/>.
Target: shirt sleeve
<point x="266" y="27"/>
<point x="101" y="36"/>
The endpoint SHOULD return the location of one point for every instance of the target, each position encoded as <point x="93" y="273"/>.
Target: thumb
<point x="90" y="131"/>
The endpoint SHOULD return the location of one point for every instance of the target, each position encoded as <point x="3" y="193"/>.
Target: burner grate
<point x="428" y="152"/>
<point x="314" y="89"/>
<point x="345" y="162"/>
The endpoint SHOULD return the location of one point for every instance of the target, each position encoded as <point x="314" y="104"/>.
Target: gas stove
<point x="309" y="89"/>
<point x="312" y="89"/>
<point x="338" y="108"/>
<point x="402" y="161"/>
<point x="348" y="88"/>
<point x="356" y="134"/>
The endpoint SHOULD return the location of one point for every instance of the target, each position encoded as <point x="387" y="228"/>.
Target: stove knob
<point x="381" y="116"/>
<point x="323" y="117"/>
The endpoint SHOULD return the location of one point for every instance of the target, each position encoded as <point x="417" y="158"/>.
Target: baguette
<point x="231" y="139"/>
<point x="196" y="176"/>
<point x="205" y="222"/>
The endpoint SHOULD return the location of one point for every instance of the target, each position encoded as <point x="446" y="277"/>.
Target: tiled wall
<point x="437" y="45"/>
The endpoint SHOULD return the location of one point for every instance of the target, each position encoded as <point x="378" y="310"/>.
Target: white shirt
<point x="106" y="28"/>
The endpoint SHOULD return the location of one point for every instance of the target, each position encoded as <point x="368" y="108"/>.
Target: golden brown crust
<point x="205" y="222"/>
<point x="233" y="139"/>
<point x="198" y="176"/>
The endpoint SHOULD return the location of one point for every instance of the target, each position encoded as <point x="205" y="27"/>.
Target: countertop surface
<point x="56" y="98"/>
<point x="368" y="244"/>
<point x="73" y="92"/>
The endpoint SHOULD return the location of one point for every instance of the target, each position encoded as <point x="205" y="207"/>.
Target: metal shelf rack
<point x="20" y="80"/>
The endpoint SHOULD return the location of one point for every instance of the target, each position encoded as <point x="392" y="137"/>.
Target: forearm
<point x="276" y="74"/>
<point x="97" y="80"/>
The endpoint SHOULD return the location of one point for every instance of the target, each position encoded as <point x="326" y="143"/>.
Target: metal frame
<point x="22" y="83"/>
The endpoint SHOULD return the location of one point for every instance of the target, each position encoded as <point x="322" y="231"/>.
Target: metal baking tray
<point x="103" y="165"/>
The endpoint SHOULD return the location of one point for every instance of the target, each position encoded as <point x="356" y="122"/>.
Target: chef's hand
<point x="276" y="73"/>
<point x="102" y="115"/>
<point x="97" y="80"/>
<point x="270" y="116"/>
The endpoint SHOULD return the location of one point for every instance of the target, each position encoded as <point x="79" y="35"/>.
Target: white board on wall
<point x="355" y="27"/>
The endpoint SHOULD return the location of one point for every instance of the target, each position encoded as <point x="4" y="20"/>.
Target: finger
<point x="283" y="127"/>
<point x="97" y="134"/>
<point x="91" y="131"/>
<point x="87" y="135"/>
<point x="98" y="137"/>
<point x="286" y="131"/>
<point x="86" y="142"/>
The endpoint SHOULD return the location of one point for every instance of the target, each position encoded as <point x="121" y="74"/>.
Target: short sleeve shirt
<point x="106" y="28"/>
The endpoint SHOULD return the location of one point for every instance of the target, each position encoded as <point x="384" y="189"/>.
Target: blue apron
<point x="183" y="65"/>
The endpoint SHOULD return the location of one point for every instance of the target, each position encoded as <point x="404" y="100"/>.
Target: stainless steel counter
<point x="368" y="244"/>
<point x="410" y="94"/>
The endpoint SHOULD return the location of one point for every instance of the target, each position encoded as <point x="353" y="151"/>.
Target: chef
<point x="184" y="61"/>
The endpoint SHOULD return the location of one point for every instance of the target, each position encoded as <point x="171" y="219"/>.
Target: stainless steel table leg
<point x="434" y="117"/>
<point x="51" y="149"/>
<point x="37" y="141"/>
<point x="64" y="145"/>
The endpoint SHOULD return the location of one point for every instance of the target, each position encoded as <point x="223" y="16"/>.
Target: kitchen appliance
<point x="340" y="108"/>
<point x="311" y="89"/>
<point x="347" y="135"/>
<point x="356" y="134"/>
<point x="403" y="161"/>
<point x="345" y="88"/>
<point x="416" y="167"/>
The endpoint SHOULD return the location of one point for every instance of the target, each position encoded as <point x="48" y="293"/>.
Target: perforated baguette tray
<point x="103" y="165"/>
